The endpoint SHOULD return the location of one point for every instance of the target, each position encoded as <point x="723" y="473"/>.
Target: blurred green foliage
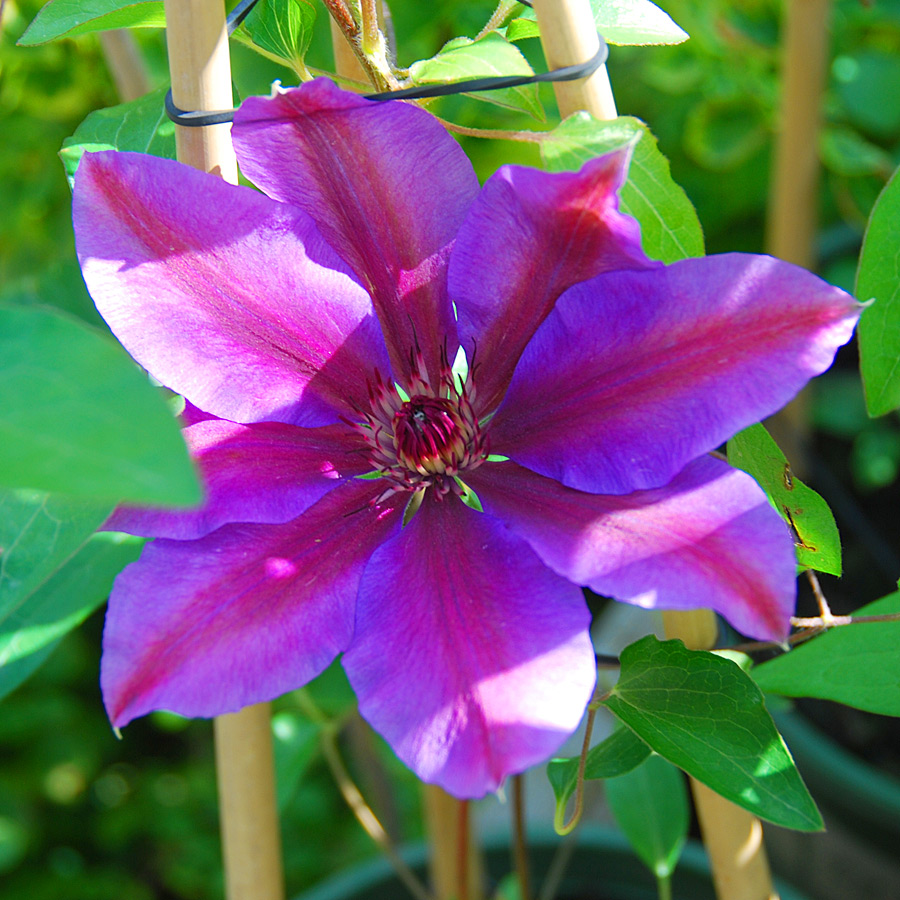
<point x="83" y="815"/>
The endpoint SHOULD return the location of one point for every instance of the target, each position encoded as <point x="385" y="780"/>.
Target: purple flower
<point x="314" y="326"/>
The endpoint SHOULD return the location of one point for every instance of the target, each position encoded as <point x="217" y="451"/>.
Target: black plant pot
<point x="603" y="867"/>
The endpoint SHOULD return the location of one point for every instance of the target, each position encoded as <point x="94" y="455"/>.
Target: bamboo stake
<point x="125" y="64"/>
<point x="733" y="836"/>
<point x="793" y="202"/>
<point x="251" y="845"/>
<point x="569" y="37"/>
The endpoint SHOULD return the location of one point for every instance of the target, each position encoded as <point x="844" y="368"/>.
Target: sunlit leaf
<point x="488" y="57"/>
<point x="878" y="278"/>
<point x="141" y="126"/>
<point x="816" y="539"/>
<point x="858" y="665"/>
<point x="670" y="229"/>
<point x="77" y="417"/>
<point x="282" y="28"/>
<point x="706" y="716"/>
<point x="69" y="18"/>
<point x="619" y="21"/>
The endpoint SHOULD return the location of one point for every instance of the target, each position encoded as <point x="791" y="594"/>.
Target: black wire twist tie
<point x="200" y="118"/>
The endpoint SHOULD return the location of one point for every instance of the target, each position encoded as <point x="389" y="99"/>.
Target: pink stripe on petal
<point x="471" y="657"/>
<point x="387" y="186"/>
<point x="708" y="539"/>
<point x="240" y="616"/>
<point x="231" y="299"/>
<point x="262" y="473"/>
<point x="634" y="374"/>
<point x="528" y="237"/>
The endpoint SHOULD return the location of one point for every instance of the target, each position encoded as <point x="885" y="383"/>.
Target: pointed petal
<point x="709" y="539"/>
<point x="634" y="374"/>
<point x="227" y="297"/>
<point x="471" y="657"/>
<point x="528" y="237"/>
<point x="242" y="615"/>
<point x="262" y="473"/>
<point x="388" y="188"/>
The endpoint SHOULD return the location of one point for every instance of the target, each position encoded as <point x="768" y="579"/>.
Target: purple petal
<point x="387" y="186"/>
<point x="528" y="237"/>
<point x="471" y="657"/>
<point x="265" y="473"/>
<point x="227" y="297"/>
<point x="251" y="611"/>
<point x="709" y="539"/>
<point x="634" y="374"/>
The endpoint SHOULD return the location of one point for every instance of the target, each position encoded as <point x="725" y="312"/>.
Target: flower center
<point x="426" y="437"/>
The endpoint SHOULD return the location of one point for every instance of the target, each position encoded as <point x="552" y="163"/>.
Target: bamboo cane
<point x="733" y="836"/>
<point x="251" y="844"/>
<point x="793" y="201"/>
<point x="569" y="37"/>
<point x="125" y="64"/>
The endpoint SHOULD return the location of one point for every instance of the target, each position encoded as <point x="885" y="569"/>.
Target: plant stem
<point x="251" y="845"/>
<point x="446" y="820"/>
<point x="498" y="17"/>
<point x="664" y="887"/>
<point x="520" y="847"/>
<point x="366" y="817"/>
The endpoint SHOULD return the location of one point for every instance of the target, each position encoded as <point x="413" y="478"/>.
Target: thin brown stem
<point x="364" y="815"/>
<point x="341" y="14"/>
<point x="497" y="134"/>
<point x="824" y="608"/>
<point x="520" y="847"/>
<point x="579" y="783"/>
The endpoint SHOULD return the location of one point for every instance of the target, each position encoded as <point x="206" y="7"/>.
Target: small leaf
<point x="706" y="716"/>
<point x="816" y="539"/>
<point x="282" y="28"/>
<point x="488" y="57"/>
<point x="858" y="665"/>
<point x="38" y="534"/>
<point x="878" y="278"/>
<point x="69" y="18"/>
<point x="31" y="633"/>
<point x="141" y="125"/>
<point x="670" y="229"/>
<point x="77" y="417"/>
<point x="619" y="21"/>
<point x="616" y="755"/>
<point x="650" y="805"/>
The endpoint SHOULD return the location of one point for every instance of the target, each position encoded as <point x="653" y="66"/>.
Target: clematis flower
<point x="311" y="328"/>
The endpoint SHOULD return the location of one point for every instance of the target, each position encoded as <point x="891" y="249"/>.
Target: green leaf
<point x="670" y="228"/>
<point x="706" y="716"/>
<point x="69" y="18"/>
<point x="38" y="534"/>
<point x="141" y="125"/>
<point x="878" y="278"/>
<point x="490" y="56"/>
<point x="816" y="539"/>
<point x="77" y="417"/>
<point x="29" y="634"/>
<point x="619" y="21"/>
<point x="650" y="805"/>
<point x="282" y="28"/>
<point x="616" y="755"/>
<point x="858" y="665"/>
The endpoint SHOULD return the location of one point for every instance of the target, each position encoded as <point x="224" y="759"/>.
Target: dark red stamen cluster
<point x="427" y="440"/>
